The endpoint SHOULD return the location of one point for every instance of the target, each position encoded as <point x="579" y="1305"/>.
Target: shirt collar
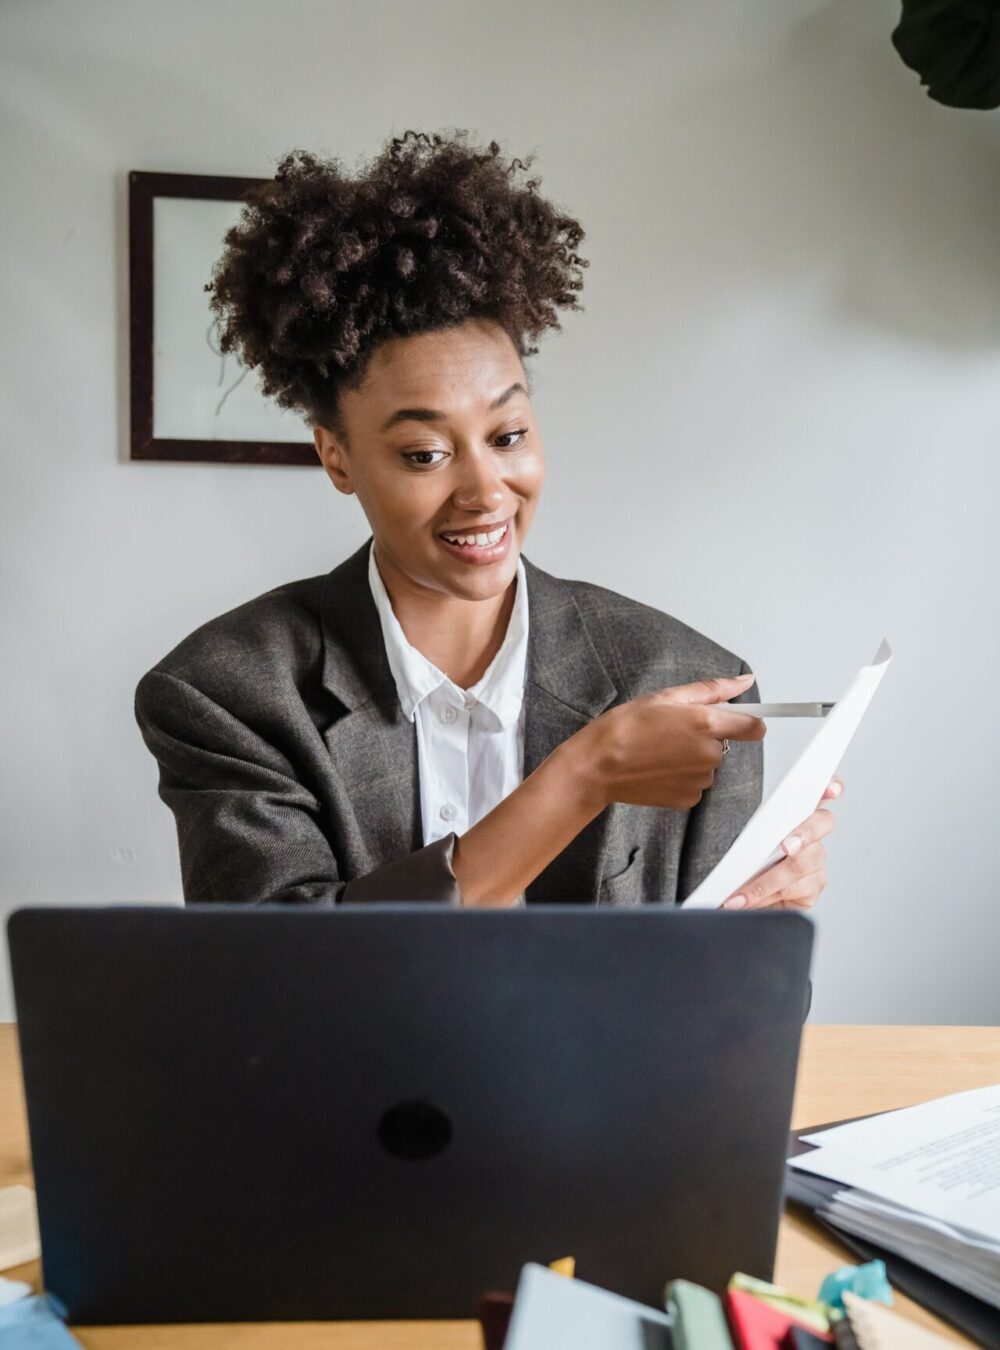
<point x="501" y="689"/>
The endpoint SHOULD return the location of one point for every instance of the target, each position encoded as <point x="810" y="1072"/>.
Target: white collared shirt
<point x="470" y="742"/>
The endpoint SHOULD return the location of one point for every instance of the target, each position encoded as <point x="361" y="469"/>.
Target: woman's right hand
<point x="663" y="749"/>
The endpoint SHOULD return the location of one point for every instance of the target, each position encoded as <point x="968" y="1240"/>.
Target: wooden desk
<point x="877" y="1068"/>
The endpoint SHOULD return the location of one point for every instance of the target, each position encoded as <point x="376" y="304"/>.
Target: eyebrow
<point x="430" y="415"/>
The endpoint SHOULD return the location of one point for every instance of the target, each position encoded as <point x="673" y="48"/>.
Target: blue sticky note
<point x="867" y="1281"/>
<point x="30" y="1324"/>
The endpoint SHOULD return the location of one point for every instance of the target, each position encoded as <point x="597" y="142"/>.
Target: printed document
<point x="923" y="1182"/>
<point x="941" y="1158"/>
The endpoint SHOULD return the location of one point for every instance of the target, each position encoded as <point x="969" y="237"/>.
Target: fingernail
<point x="748" y="675"/>
<point x="735" y="902"/>
<point x="792" y="844"/>
<point x="835" y="789"/>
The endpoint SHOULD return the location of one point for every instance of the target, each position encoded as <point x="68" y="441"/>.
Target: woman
<point x="437" y="719"/>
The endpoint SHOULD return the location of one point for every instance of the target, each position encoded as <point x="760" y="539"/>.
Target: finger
<point x="765" y="888"/>
<point x="731" y="725"/>
<point x="709" y="691"/>
<point x="802" y="894"/>
<point x="818" y="826"/>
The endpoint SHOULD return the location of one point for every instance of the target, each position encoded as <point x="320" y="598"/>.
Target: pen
<point x="781" y="709"/>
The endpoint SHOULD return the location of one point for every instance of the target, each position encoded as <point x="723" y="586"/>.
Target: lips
<point x="485" y="537"/>
<point x="492" y="549"/>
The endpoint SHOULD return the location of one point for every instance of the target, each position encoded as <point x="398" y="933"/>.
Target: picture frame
<point x="189" y="402"/>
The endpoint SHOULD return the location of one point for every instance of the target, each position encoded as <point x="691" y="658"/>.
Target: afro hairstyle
<point x="323" y="267"/>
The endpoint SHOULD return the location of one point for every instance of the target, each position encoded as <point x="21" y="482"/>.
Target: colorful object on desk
<point x="876" y="1328"/>
<point x="810" y="1312"/>
<point x="30" y="1324"/>
<point x="867" y="1281"/>
<point x="799" y="1338"/>
<point x="494" y="1319"/>
<point x="495" y="1308"/>
<point x="698" y="1320"/>
<point x="843" y="1335"/>
<point x="759" y="1326"/>
<point x="553" y="1313"/>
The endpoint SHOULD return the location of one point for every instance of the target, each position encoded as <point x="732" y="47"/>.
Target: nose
<point x="481" y="487"/>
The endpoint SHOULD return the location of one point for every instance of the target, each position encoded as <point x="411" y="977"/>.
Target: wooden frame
<point x="144" y="189"/>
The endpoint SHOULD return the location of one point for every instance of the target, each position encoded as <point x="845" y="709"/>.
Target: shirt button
<point x="448" y="812"/>
<point x="448" y="713"/>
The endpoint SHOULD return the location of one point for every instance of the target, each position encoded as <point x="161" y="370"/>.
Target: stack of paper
<point x="923" y="1182"/>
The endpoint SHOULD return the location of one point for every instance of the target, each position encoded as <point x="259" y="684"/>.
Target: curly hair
<point x="322" y="267"/>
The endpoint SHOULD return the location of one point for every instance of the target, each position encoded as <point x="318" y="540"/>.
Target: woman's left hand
<point x="796" y="881"/>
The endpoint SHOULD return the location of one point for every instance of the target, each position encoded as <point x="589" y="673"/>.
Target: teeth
<point x="480" y="539"/>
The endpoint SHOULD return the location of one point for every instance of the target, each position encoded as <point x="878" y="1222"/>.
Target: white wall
<point x="778" y="417"/>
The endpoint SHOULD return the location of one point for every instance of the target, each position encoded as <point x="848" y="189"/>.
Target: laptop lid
<point x="383" y="1112"/>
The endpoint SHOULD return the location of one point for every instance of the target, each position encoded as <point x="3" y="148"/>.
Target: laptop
<point x="385" y="1111"/>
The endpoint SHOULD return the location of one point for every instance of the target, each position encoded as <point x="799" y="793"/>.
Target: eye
<point x="423" y="458"/>
<point x="505" y="435"/>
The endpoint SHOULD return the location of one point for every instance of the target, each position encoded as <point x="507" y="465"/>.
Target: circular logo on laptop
<point x="414" y="1130"/>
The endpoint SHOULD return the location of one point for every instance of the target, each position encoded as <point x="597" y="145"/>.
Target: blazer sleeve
<point x="248" y="831"/>
<point x="724" y="809"/>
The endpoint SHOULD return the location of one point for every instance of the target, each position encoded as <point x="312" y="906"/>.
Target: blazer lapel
<point x="372" y="746"/>
<point x="567" y="687"/>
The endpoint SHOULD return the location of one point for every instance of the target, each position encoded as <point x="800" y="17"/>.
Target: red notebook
<point x="757" y="1326"/>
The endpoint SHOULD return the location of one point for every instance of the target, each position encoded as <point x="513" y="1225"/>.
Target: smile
<point x="478" y="546"/>
<point x="480" y="538"/>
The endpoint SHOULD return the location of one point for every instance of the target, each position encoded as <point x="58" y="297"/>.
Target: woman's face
<point x="441" y="446"/>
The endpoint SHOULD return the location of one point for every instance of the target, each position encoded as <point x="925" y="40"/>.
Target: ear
<point x="333" y="457"/>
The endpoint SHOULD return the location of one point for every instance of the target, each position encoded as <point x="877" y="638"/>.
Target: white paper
<point x="940" y="1248"/>
<point x="941" y="1159"/>
<point x="898" y="1217"/>
<point x="874" y="1324"/>
<point x="796" y="796"/>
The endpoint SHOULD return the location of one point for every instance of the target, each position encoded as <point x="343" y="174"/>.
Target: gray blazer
<point x="292" y="772"/>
